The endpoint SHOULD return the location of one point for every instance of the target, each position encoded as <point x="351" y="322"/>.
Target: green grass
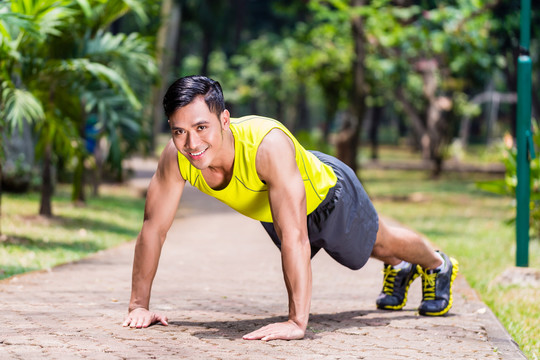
<point x="32" y="242"/>
<point x="471" y="226"/>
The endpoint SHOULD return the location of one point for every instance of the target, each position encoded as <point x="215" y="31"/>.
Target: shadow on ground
<point x="318" y="323"/>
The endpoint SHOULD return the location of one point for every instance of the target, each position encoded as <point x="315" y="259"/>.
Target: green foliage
<point x="18" y="105"/>
<point x="313" y="140"/>
<point x="507" y="186"/>
<point x="318" y="51"/>
<point x="62" y="59"/>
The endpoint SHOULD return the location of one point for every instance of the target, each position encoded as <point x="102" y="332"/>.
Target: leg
<point x="394" y="244"/>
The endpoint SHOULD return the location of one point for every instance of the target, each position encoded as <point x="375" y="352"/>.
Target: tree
<point x="16" y="103"/>
<point x="426" y="58"/>
<point x="504" y="49"/>
<point x="166" y="41"/>
<point x="327" y="55"/>
<point x="78" y="61"/>
<point x="360" y="91"/>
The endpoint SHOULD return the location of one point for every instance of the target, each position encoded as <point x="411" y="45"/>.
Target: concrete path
<point x="219" y="278"/>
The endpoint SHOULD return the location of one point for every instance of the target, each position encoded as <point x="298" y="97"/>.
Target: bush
<point x="507" y="186"/>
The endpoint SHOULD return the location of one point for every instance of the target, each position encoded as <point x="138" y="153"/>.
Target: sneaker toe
<point x="433" y="306"/>
<point x="386" y="300"/>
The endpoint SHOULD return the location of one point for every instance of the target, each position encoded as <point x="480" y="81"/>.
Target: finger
<point x="253" y="336"/>
<point x="126" y="321"/>
<point x="162" y="319"/>
<point x="276" y="335"/>
<point x="271" y="337"/>
<point x="139" y="323"/>
<point x="258" y="334"/>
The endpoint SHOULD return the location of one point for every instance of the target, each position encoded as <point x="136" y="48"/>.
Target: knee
<point x="383" y="243"/>
<point x="381" y="250"/>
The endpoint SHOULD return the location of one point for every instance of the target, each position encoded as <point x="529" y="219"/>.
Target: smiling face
<point x="199" y="134"/>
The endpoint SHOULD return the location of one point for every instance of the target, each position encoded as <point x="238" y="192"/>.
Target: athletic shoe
<point x="396" y="286"/>
<point x="437" y="288"/>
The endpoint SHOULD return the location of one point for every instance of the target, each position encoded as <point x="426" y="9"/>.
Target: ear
<point x="225" y="119"/>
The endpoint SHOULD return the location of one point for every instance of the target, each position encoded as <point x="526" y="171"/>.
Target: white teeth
<point x="199" y="153"/>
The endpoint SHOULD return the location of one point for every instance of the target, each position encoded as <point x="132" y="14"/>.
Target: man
<point x="305" y="200"/>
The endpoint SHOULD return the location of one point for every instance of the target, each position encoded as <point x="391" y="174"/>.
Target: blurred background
<point x="82" y="81"/>
<point x="418" y="96"/>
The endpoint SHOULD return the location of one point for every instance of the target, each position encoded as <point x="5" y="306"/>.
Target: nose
<point x="192" y="141"/>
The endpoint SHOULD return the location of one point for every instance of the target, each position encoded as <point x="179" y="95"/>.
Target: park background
<point x="418" y="96"/>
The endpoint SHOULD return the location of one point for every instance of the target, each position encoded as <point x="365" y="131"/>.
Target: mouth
<point x="196" y="155"/>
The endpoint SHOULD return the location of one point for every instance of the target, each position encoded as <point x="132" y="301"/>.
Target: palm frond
<point x="12" y="22"/>
<point x="61" y="133"/>
<point x="122" y="52"/>
<point x="117" y="122"/>
<point x="50" y="16"/>
<point x="96" y="70"/>
<point x="138" y="8"/>
<point x="109" y="11"/>
<point x="19" y="106"/>
<point x="85" y="7"/>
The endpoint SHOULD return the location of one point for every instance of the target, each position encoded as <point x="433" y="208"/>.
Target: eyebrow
<point x="198" y="123"/>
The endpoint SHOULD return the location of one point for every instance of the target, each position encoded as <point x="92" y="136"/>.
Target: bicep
<point x="164" y="192"/>
<point x="277" y="166"/>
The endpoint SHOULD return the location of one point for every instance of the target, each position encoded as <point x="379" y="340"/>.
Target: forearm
<point x="145" y="264"/>
<point x="297" y="272"/>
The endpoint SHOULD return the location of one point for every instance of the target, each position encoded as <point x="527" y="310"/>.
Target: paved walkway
<point x="219" y="278"/>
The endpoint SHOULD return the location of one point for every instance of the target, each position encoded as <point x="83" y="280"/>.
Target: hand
<point x="288" y="330"/>
<point x="141" y="318"/>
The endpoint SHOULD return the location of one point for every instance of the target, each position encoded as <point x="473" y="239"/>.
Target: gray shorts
<point x="345" y="224"/>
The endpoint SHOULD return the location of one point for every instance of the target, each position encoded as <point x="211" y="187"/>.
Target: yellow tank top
<point x="246" y="193"/>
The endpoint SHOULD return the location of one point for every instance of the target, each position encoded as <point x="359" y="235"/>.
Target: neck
<point x="225" y="162"/>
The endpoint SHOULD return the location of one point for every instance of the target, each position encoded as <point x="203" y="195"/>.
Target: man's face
<point x="197" y="132"/>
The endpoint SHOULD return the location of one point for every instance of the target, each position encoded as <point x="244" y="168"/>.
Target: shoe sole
<point x="404" y="302"/>
<point x="455" y="270"/>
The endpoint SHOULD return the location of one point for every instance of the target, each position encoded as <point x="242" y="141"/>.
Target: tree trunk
<point x="240" y="10"/>
<point x="344" y="151"/>
<point x="419" y="129"/>
<point x="208" y="37"/>
<point x="434" y="118"/>
<point x="77" y="195"/>
<point x="167" y="40"/>
<point x="302" y="113"/>
<point x="331" y="107"/>
<point x="359" y="81"/>
<point x="510" y="73"/>
<point x="374" y="131"/>
<point x="45" y="208"/>
<point x="98" y="169"/>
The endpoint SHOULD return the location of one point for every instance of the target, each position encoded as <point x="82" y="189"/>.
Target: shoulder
<point x="254" y="124"/>
<point x="275" y="139"/>
<point x="168" y="169"/>
<point x="276" y="151"/>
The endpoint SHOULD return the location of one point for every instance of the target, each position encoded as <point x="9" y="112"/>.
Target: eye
<point x="201" y="127"/>
<point x="178" y="132"/>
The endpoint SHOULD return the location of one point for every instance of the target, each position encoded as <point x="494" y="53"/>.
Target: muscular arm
<point x="162" y="200"/>
<point x="276" y="165"/>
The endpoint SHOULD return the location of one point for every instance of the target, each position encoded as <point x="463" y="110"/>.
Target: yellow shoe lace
<point x="428" y="284"/>
<point x="389" y="279"/>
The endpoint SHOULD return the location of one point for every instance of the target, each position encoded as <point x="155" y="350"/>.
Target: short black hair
<point x="184" y="90"/>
